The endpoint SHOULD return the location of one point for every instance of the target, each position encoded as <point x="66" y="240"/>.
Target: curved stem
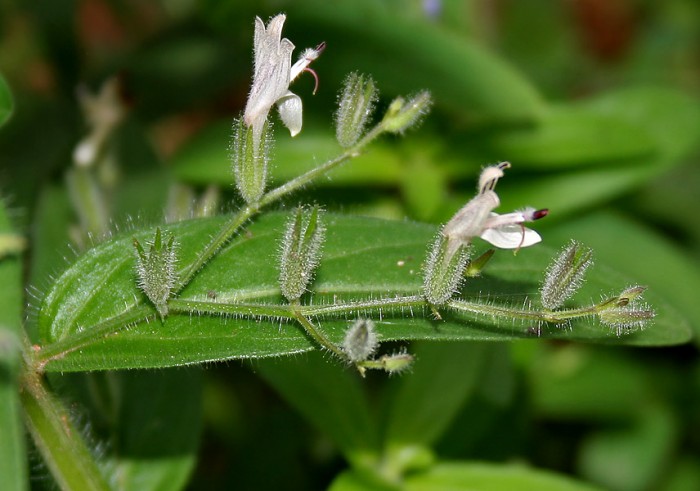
<point x="314" y="333"/>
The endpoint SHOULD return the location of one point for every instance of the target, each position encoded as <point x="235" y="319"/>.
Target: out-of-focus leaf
<point x="158" y="426"/>
<point x="426" y="402"/>
<point x="386" y="41"/>
<point x="630" y="457"/>
<point x="206" y="160"/>
<point x="576" y="382"/>
<point x="669" y="116"/>
<point x="469" y="476"/>
<point x="13" y="464"/>
<point x="573" y="135"/>
<point x="654" y="129"/>
<point x="83" y="317"/>
<point x="684" y="476"/>
<point x="638" y="251"/>
<point x="7" y="104"/>
<point x="330" y="397"/>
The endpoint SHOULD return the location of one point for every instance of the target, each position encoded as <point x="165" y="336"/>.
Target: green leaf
<point x="158" y="426"/>
<point x="330" y="397"/>
<point x="7" y="104"/>
<point x="468" y="476"/>
<point x="443" y="377"/>
<point x="647" y="131"/>
<point x="205" y="159"/>
<point x="83" y="318"/>
<point x="580" y="383"/>
<point x="13" y="464"/>
<point x="387" y="43"/>
<point x="633" y="456"/>
<point x="573" y="135"/>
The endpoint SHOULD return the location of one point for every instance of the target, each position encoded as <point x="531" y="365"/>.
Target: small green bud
<point x="444" y="269"/>
<point x="360" y="340"/>
<point x="630" y="295"/>
<point x="401" y="115"/>
<point x="354" y="108"/>
<point x="301" y="252"/>
<point x="565" y="275"/>
<point x="626" y="318"/>
<point x="475" y="266"/>
<point x="624" y="312"/>
<point x="156" y="270"/>
<point x="397" y="362"/>
<point x="250" y="152"/>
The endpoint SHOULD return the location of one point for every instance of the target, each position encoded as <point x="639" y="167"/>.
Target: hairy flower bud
<point x="301" y="252"/>
<point x="156" y="270"/>
<point x="249" y="157"/>
<point x="354" y="108"/>
<point x="624" y="312"/>
<point x="401" y="114"/>
<point x="626" y="318"/>
<point x="565" y="275"/>
<point x="444" y="269"/>
<point x="360" y="340"/>
<point x="397" y="362"/>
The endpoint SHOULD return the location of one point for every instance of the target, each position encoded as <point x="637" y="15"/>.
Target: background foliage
<point x="595" y="103"/>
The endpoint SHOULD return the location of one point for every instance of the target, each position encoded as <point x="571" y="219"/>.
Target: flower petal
<point x="511" y="236"/>
<point x="290" y="108"/>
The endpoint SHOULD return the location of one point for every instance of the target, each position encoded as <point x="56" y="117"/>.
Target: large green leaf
<point x="6" y="102"/>
<point x="456" y="476"/>
<point x="83" y="319"/>
<point x="13" y="464"/>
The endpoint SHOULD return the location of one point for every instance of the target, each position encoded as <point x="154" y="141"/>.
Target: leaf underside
<point x="363" y="258"/>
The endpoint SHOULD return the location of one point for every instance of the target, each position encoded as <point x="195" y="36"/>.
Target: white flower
<point x="273" y="72"/>
<point x="477" y="219"/>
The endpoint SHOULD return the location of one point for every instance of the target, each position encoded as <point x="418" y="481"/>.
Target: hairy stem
<point x="314" y="333"/>
<point x="63" y="449"/>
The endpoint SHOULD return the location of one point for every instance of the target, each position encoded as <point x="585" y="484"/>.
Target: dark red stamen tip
<point x="536" y="215"/>
<point x="321" y="47"/>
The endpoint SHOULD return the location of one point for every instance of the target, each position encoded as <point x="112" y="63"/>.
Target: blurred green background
<point x="595" y="102"/>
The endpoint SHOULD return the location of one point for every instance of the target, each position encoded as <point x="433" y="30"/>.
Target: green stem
<point x="215" y="245"/>
<point x="314" y="333"/>
<point x="57" y="439"/>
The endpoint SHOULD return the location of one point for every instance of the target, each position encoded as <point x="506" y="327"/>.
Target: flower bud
<point x="250" y="152"/>
<point x="156" y="270"/>
<point x="301" y="252"/>
<point x="444" y="269"/>
<point x="401" y="115"/>
<point x="565" y="275"/>
<point x="354" y="108"/>
<point x="475" y="266"/>
<point x="360" y="340"/>
<point x="397" y="363"/>
<point x="626" y="318"/>
<point x="630" y="295"/>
